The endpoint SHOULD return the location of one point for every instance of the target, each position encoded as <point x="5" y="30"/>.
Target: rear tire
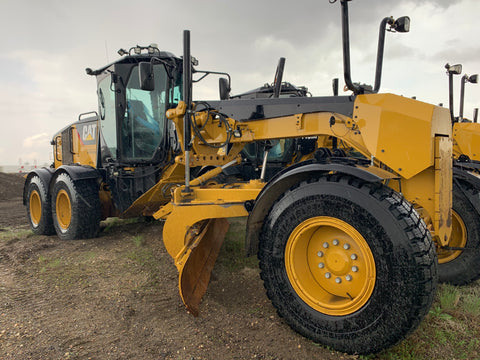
<point x="459" y="267"/>
<point x="39" y="210"/>
<point x="76" y="208"/>
<point x="360" y="297"/>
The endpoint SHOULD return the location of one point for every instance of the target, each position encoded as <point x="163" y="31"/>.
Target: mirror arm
<point x="450" y="96"/>
<point x="201" y="77"/>
<point x="206" y="73"/>
<point x="380" y="50"/>
<point x="346" y="50"/>
<point x="462" y="96"/>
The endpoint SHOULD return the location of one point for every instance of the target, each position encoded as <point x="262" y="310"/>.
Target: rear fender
<point x="285" y="180"/>
<point x="45" y="175"/>
<point x="465" y="174"/>
<point x="76" y="172"/>
<point x="467" y="170"/>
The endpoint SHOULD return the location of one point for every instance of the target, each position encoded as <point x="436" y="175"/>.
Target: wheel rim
<point x="330" y="265"/>
<point x="35" y="207"/>
<point x="64" y="209"/>
<point x="458" y="239"/>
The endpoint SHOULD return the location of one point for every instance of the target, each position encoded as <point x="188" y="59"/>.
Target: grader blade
<point x="196" y="264"/>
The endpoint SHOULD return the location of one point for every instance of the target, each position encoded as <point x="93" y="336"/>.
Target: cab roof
<point x="132" y="59"/>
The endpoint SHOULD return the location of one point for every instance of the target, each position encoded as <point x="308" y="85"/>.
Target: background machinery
<point x="460" y="260"/>
<point x="346" y="260"/>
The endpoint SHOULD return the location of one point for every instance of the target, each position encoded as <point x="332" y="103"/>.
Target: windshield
<point x="144" y="119"/>
<point x="137" y="134"/>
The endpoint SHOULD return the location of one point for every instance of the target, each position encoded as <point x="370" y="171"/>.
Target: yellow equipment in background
<point x="459" y="261"/>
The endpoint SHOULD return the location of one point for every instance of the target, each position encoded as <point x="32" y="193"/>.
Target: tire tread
<point x="423" y="253"/>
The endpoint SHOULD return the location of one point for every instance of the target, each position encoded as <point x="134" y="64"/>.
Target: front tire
<point x="76" y="208"/>
<point x="348" y="264"/>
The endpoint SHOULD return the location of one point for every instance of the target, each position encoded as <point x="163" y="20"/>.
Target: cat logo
<point x="88" y="133"/>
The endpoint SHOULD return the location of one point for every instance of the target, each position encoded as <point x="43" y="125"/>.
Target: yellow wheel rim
<point x="330" y="265"/>
<point x="64" y="209"/>
<point x="458" y="239"/>
<point x="35" y="207"/>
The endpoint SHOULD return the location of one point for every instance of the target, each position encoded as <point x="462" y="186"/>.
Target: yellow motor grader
<point x="460" y="260"/>
<point x="344" y="243"/>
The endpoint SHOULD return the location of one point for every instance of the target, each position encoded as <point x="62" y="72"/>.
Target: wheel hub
<point x="457" y="239"/>
<point x="337" y="262"/>
<point x="35" y="207"/>
<point x="330" y="265"/>
<point x="63" y="209"/>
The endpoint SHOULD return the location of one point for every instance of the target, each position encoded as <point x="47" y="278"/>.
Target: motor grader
<point x="460" y="260"/>
<point x="346" y="260"/>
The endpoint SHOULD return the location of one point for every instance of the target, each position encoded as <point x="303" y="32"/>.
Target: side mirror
<point x="224" y="88"/>
<point x="473" y="79"/>
<point x="145" y="76"/>
<point x="454" y="69"/>
<point x="402" y="24"/>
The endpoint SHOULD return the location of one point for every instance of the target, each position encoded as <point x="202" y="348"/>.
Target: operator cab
<point x="133" y="127"/>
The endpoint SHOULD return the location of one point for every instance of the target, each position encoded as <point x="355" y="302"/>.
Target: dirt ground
<point x="116" y="297"/>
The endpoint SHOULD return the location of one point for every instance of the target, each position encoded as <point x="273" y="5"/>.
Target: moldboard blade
<point x="195" y="274"/>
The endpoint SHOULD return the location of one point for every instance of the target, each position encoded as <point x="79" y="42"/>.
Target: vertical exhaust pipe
<point x="335" y="86"/>
<point x="277" y="82"/>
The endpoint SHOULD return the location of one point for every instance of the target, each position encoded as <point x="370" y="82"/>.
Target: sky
<point x="46" y="46"/>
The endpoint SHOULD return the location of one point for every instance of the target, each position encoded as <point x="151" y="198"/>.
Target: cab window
<point x="144" y="119"/>
<point x="106" y="105"/>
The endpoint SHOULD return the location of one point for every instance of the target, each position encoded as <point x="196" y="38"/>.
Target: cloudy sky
<point x="46" y="45"/>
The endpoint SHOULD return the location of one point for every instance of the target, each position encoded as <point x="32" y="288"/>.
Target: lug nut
<point x="353" y="256"/>
<point x="338" y="280"/>
<point x="320" y="253"/>
<point x="335" y="242"/>
<point x="348" y="277"/>
<point x="354" y="268"/>
<point x="346" y="246"/>
<point x="328" y="275"/>
<point x="325" y="245"/>
<point x="321" y="265"/>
